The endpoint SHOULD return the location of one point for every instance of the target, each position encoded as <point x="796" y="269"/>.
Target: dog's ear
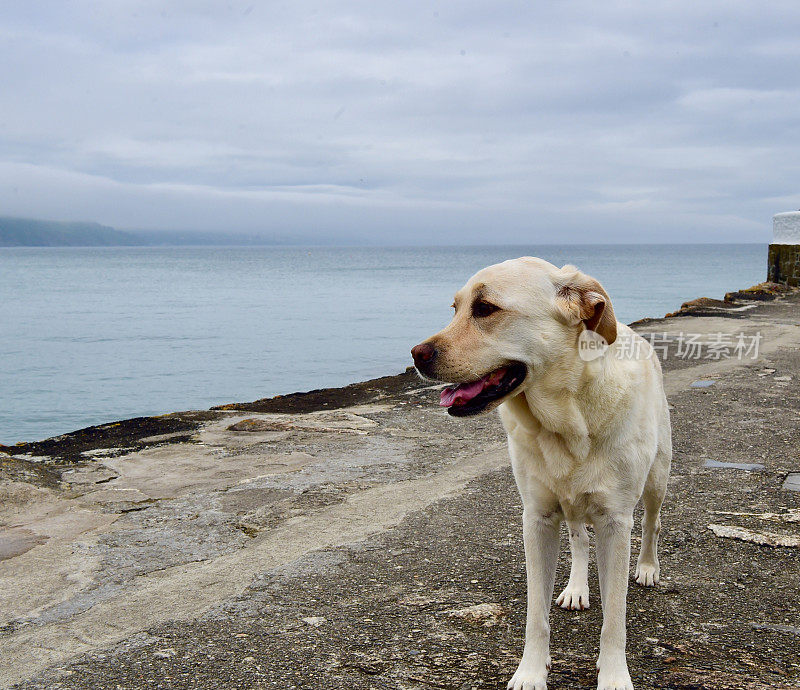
<point x="582" y="298"/>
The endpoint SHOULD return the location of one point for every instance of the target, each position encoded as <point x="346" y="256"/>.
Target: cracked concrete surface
<point x="191" y="550"/>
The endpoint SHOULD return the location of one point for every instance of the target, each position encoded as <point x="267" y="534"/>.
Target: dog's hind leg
<point x="647" y="566"/>
<point x="576" y="594"/>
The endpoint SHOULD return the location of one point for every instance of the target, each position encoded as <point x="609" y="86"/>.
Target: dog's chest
<point x="547" y="457"/>
<point x="539" y="456"/>
<point x="565" y="463"/>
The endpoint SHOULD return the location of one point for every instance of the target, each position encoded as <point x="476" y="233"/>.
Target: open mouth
<point x="470" y="398"/>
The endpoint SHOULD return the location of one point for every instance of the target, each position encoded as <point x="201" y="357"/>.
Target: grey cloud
<point x="405" y="122"/>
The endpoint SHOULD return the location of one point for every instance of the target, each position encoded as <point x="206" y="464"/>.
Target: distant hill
<point x="25" y="232"/>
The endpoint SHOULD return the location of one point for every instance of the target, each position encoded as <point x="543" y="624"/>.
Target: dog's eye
<point x="482" y="309"/>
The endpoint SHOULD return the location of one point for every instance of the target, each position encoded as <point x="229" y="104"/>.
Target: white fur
<point x="587" y="440"/>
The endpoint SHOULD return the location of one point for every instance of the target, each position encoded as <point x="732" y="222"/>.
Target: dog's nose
<point x="423" y="353"/>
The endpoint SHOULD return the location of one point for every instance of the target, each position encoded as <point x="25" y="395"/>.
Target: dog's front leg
<point x="575" y="596"/>
<point x="613" y="534"/>
<point x="540" y="534"/>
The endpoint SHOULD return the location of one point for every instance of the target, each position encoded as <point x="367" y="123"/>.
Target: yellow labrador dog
<point x="582" y="400"/>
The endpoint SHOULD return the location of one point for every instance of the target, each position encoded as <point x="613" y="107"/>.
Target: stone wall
<point x="783" y="264"/>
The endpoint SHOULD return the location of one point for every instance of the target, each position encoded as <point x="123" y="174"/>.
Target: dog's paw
<point x="646" y="575"/>
<point x="529" y="677"/>
<point x="574" y="598"/>
<point x="525" y="681"/>
<point x="616" y="678"/>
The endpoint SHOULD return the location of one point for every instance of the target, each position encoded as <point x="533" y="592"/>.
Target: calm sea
<point x="91" y="335"/>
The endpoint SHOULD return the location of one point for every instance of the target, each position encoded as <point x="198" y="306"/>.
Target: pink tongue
<point x="458" y="395"/>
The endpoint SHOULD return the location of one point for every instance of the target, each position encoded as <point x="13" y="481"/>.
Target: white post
<point x="783" y="265"/>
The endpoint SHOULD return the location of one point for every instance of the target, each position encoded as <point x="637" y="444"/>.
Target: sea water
<point x="92" y="335"/>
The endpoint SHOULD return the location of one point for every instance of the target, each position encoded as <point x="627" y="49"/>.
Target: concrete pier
<point x="360" y="539"/>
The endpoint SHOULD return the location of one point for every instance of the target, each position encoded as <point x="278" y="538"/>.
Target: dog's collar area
<point x="474" y="397"/>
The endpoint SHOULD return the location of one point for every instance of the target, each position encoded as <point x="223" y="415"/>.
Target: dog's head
<point x="512" y="320"/>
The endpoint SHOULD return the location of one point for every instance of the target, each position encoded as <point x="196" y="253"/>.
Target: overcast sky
<point x="405" y="122"/>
